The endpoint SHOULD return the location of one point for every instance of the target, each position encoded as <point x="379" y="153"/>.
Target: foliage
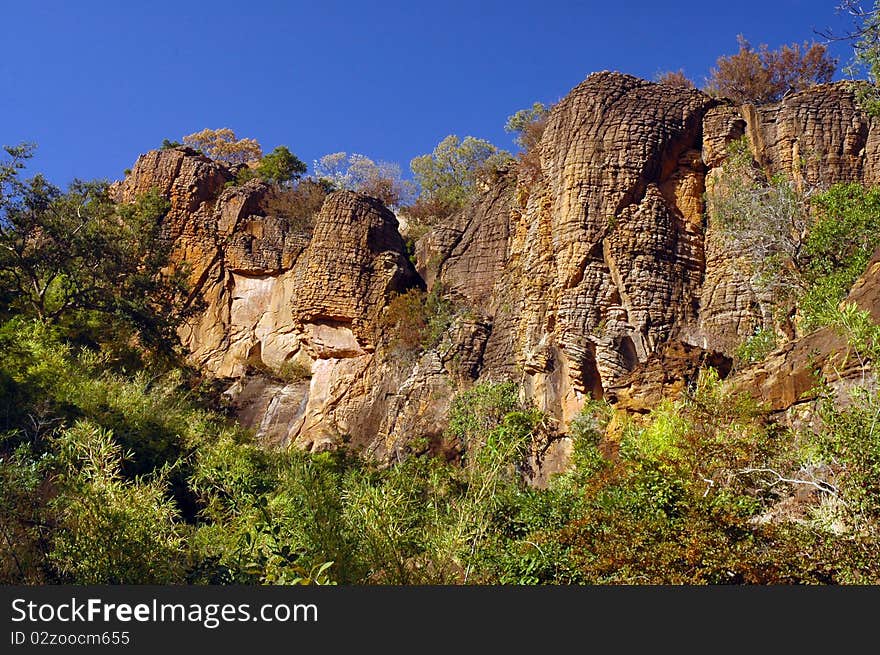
<point x="280" y="167"/>
<point x="677" y="79"/>
<point x="528" y="127"/>
<point x="681" y="504"/>
<point x="417" y="320"/>
<point x="297" y="205"/>
<point x="865" y="40"/>
<point x="806" y="247"/>
<point x="761" y="76"/>
<point x="680" y="496"/>
<point x="222" y="145"/>
<point x="115" y="470"/>
<point x="355" y="172"/>
<point x="476" y="410"/>
<point x="111" y="530"/>
<point x="765" y="219"/>
<point x="756" y="347"/>
<point x="428" y="211"/>
<point x="450" y="174"/>
<point x="841" y="240"/>
<point x="67" y="255"/>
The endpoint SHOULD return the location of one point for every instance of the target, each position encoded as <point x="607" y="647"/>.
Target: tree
<point x="359" y="173"/>
<point x="281" y="166"/>
<point x="450" y="173"/>
<point x="865" y="39"/>
<point x="65" y="253"/>
<point x="112" y="530"/>
<point x="763" y="75"/>
<point x="527" y="125"/>
<point x="222" y="145"/>
<point x="675" y="78"/>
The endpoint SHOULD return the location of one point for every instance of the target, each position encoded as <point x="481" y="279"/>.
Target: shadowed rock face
<point x="601" y="278"/>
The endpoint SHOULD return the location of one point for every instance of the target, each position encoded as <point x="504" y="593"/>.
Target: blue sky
<point x="95" y="84"/>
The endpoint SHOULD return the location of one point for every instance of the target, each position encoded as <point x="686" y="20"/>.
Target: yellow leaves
<point x="222" y="145"/>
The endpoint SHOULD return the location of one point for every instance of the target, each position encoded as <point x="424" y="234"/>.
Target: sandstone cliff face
<point x="603" y="278"/>
<point x="614" y="282"/>
<point x="296" y="308"/>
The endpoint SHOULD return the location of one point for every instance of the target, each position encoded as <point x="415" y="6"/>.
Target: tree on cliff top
<point x="450" y="173"/>
<point x="355" y="172"/>
<point x="222" y="145"/>
<point x="677" y="79"/>
<point x="865" y="40"/>
<point x="763" y="75"/>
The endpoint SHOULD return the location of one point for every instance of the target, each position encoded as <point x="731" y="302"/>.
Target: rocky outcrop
<point x="355" y="259"/>
<point x="817" y="137"/>
<point x="665" y="374"/>
<point x="601" y="276"/>
<point x="604" y="257"/>
<point x="288" y="313"/>
<point x="615" y="284"/>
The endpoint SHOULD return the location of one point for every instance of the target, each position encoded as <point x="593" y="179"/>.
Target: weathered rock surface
<point x="603" y="278"/>
<point x="668" y="372"/>
<point x="605" y="257"/>
<point x="297" y="308"/>
<point x="614" y="283"/>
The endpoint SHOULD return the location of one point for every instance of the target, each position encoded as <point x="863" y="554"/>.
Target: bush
<point x="764" y="219"/>
<point x="807" y="247"/>
<point x="840" y="243"/>
<point x="68" y="256"/>
<point x="676" y="79"/>
<point x="297" y="205"/>
<point x="450" y="174"/>
<point x="429" y="211"/>
<point x="112" y="531"/>
<point x="763" y="75"/>
<point x="756" y="347"/>
<point x="417" y="320"/>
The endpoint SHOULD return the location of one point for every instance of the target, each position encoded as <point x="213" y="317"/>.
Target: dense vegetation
<point x="119" y="464"/>
<point x="117" y="468"/>
<point x="109" y="476"/>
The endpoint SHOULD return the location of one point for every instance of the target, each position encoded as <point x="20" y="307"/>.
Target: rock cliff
<point x="603" y="277"/>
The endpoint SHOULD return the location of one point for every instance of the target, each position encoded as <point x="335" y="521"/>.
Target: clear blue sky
<point x="95" y="84"/>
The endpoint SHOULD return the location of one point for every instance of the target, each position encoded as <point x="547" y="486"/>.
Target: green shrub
<point x="477" y="410"/>
<point x="838" y="247"/>
<point x="756" y="347"/>
<point x="112" y="531"/>
<point x="278" y="167"/>
<point x="417" y="320"/>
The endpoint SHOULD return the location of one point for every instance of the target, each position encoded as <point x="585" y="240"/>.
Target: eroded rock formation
<point x="602" y="278"/>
